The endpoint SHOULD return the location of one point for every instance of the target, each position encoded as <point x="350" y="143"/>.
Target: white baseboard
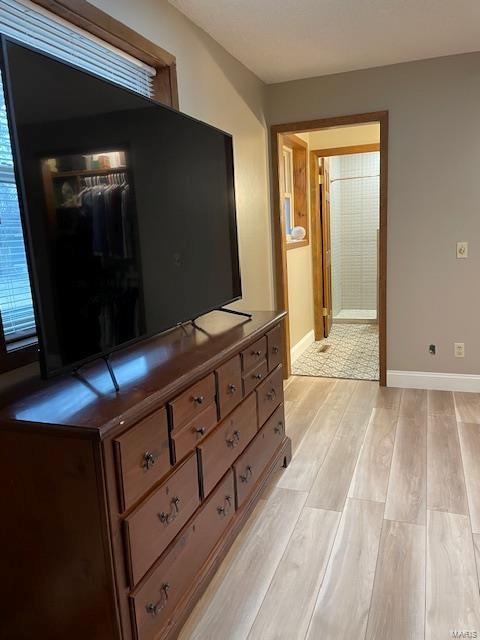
<point x="434" y="381"/>
<point x="302" y="345"/>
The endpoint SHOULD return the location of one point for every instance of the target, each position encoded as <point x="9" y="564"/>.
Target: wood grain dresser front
<point x="180" y="458"/>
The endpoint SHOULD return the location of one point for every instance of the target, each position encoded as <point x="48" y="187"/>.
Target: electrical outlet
<point x="432" y="349"/>
<point x="459" y="349"/>
<point x="462" y="249"/>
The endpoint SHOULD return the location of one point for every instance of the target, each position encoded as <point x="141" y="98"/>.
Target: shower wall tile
<point x="336" y="249"/>
<point x="354" y="223"/>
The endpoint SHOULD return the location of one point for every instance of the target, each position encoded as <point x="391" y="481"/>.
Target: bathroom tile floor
<point x="350" y="351"/>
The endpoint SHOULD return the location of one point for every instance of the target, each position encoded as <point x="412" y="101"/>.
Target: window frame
<point x="25" y="336"/>
<point x="300" y="212"/>
<point x="165" y="90"/>
<point x="102" y="25"/>
<point x="288" y="189"/>
<point x="12" y="356"/>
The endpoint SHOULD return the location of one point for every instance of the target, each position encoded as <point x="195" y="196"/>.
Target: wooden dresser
<point x="118" y="508"/>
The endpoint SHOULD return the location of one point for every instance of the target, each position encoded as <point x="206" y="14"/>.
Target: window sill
<point x="295" y="244"/>
<point x="20" y="344"/>
<point x="19" y="355"/>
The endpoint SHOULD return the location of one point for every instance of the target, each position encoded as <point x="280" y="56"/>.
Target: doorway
<point x="346" y="227"/>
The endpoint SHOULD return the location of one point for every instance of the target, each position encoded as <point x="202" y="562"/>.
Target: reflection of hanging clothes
<point x="127" y="227"/>
<point x="97" y="267"/>
<point x="113" y="214"/>
<point x="106" y="205"/>
<point x="93" y="207"/>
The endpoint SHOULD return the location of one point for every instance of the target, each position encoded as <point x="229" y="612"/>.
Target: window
<point x="16" y="305"/>
<point x="39" y="28"/>
<point x="288" y="191"/>
<point x="294" y="193"/>
<point x="29" y="23"/>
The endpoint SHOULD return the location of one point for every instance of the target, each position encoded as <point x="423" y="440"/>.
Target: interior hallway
<point x="373" y="531"/>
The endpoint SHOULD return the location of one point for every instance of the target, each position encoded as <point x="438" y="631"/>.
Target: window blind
<point x="32" y="25"/>
<point x="37" y="27"/>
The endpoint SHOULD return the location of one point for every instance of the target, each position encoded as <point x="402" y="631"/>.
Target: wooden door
<point x="326" y="245"/>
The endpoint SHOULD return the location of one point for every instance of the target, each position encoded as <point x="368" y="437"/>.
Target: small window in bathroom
<point x="287" y="206"/>
<point x="288" y="190"/>
<point x="293" y="185"/>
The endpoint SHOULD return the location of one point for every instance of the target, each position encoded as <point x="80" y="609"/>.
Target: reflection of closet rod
<point x="377" y="175"/>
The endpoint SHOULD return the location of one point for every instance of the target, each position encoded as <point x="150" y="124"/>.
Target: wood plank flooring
<point x="407" y="490"/>
<point x="372" y="532"/>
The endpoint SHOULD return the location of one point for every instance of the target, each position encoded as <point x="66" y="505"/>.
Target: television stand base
<point x="235" y="313"/>
<point x="106" y="359"/>
<point x="112" y="373"/>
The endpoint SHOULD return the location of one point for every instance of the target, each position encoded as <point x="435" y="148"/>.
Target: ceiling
<point x="283" y="40"/>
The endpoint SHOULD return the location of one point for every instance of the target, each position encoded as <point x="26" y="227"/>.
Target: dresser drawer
<point x="221" y="448"/>
<point x="229" y="380"/>
<point x="154" y="524"/>
<point x="269" y="395"/>
<point x="250" y="465"/>
<point x="142" y="456"/>
<point x="274" y="347"/>
<point x="186" y="438"/>
<point x="254" y="354"/>
<point x="155" y="599"/>
<point x="254" y="377"/>
<point x="192" y="401"/>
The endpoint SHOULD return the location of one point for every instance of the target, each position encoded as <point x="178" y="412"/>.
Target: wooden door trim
<point x="346" y="151"/>
<point x="294" y="142"/>
<point x="281" y="284"/>
<point x="326" y="304"/>
<point x="317" y="252"/>
<point x="280" y="250"/>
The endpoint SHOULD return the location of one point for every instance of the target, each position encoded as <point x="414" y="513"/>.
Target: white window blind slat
<point x="26" y="23"/>
<point x="33" y="25"/>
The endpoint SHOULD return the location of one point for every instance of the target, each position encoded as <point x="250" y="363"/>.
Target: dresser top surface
<point x="148" y="373"/>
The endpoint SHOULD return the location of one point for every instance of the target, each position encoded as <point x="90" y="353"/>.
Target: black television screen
<point x="128" y="208"/>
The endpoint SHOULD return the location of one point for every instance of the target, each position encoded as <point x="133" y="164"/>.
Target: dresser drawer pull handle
<point x="234" y="440"/>
<point x="199" y="399"/>
<point x="155" y="608"/>
<point x="275" y="349"/>
<point x="200" y="430"/>
<point x="258" y="376"/>
<point x="279" y="428"/>
<point x="225" y="510"/>
<point x="148" y="460"/>
<point x="256" y="353"/>
<point x="232" y="388"/>
<point x="271" y="395"/>
<point x="167" y="518"/>
<point x="247" y="476"/>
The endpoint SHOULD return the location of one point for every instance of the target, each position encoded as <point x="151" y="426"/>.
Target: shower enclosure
<point x="354" y="219"/>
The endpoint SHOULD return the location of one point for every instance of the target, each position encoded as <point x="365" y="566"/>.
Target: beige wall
<point x="344" y="136"/>
<point x="300" y="292"/>
<point x="433" y="198"/>
<point x="215" y="87"/>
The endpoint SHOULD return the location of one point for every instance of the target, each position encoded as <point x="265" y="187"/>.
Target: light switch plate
<point x="459" y="349"/>
<point x="462" y="249"/>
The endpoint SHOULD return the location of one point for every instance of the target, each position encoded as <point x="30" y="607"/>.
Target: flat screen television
<point x="128" y="209"/>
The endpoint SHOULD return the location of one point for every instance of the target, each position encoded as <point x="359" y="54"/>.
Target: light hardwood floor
<point x="373" y="531"/>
